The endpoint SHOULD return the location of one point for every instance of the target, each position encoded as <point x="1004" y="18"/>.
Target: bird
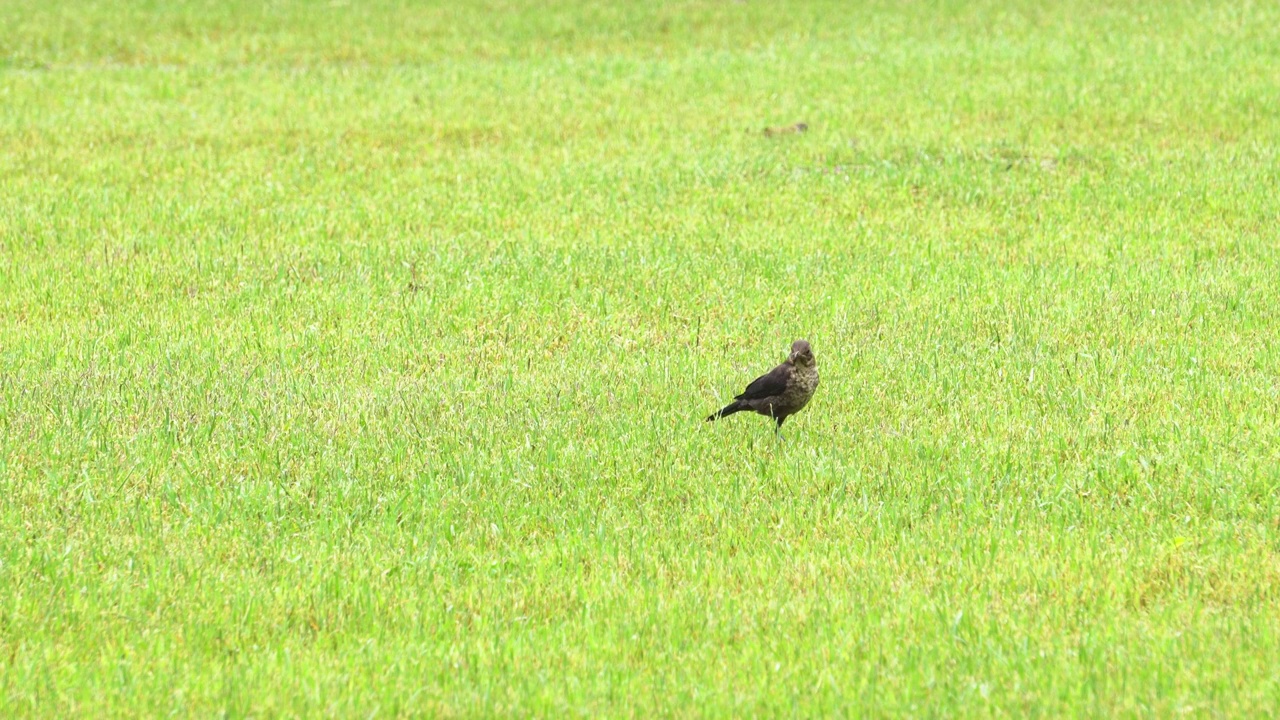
<point x="781" y="392"/>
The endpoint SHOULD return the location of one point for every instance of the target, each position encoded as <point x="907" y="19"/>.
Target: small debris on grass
<point x="788" y="130"/>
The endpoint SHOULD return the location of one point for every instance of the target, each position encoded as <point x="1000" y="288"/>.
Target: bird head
<point x="801" y="353"/>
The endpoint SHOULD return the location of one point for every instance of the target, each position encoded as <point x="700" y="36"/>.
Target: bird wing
<point x="769" y="384"/>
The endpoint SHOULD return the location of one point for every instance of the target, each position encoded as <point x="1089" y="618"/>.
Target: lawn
<point x="354" y="358"/>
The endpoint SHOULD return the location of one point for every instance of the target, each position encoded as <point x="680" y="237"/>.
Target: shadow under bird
<point x="781" y="392"/>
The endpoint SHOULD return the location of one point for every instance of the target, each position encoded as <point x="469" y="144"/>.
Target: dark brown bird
<point x="781" y="392"/>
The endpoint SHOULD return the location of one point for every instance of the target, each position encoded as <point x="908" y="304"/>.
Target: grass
<point x="353" y="359"/>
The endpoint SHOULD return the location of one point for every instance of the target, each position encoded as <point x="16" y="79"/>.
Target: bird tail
<point x="731" y="408"/>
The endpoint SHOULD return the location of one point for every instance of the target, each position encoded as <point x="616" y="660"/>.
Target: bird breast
<point x="806" y="382"/>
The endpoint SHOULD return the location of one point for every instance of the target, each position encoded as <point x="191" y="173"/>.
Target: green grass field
<point x="354" y="356"/>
